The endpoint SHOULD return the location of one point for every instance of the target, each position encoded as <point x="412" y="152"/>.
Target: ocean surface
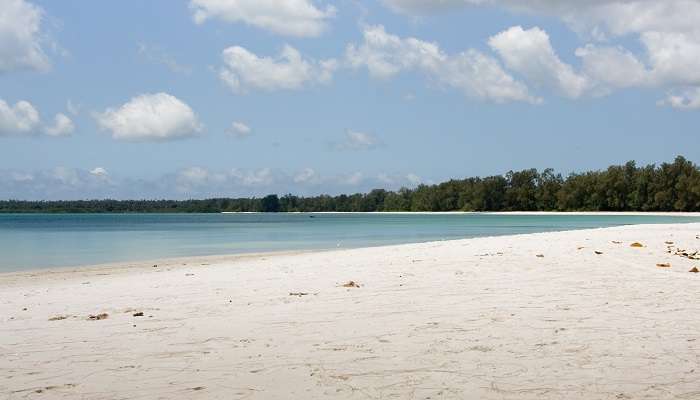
<point x="33" y="241"/>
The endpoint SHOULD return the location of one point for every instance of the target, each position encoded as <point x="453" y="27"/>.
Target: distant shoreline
<point x="534" y="213"/>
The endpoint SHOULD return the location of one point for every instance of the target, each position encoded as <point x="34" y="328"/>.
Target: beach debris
<point x="198" y="388"/>
<point x="45" y="388"/>
<point x="298" y="294"/>
<point x="598" y="252"/>
<point x="664" y="265"/>
<point x="669" y="243"/>
<point x="636" y="244"/>
<point x="58" y="318"/>
<point x="695" y="270"/>
<point x="98" y="317"/>
<point x="616" y="242"/>
<point x="687" y="254"/>
<point x="540" y="256"/>
<point x="189" y="274"/>
<point x="138" y="314"/>
<point x="580" y="248"/>
<point x="155" y="266"/>
<point x="351" y="284"/>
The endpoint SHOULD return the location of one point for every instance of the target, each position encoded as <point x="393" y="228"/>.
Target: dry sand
<point x="537" y="316"/>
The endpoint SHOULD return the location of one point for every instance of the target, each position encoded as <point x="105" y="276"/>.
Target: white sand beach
<point x="539" y="316"/>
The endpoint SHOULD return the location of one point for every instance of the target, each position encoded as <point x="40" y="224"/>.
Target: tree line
<point x="665" y="187"/>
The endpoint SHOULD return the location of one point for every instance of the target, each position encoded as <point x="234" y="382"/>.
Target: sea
<point x="38" y="241"/>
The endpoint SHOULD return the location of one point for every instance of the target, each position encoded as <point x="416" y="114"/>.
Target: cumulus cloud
<point x="599" y="18"/>
<point x="530" y="53"/>
<point x="21" y="37"/>
<point x="20" y="119"/>
<point x="239" y="130"/>
<point x="62" y="126"/>
<point x="476" y="74"/>
<point x="674" y="57"/>
<point x="150" y="117"/>
<point x="23" y="119"/>
<point x="610" y="66"/>
<point x="668" y="33"/>
<point x="301" y="18"/>
<point x="244" y="71"/>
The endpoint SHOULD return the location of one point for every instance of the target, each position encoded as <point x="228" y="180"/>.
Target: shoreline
<point x="174" y="262"/>
<point x="525" y="213"/>
<point x="575" y="314"/>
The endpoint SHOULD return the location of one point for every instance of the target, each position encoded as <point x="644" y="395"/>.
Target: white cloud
<point x="21" y="37"/>
<point x="244" y="70"/>
<point x="99" y="172"/>
<point x="386" y="55"/>
<point x="62" y="126"/>
<point x="23" y="119"/>
<point x="613" y="66"/>
<point x="150" y="117"/>
<point x="476" y="74"/>
<point x="614" y="17"/>
<point x="20" y="119"/>
<point x="688" y="99"/>
<point x="355" y="140"/>
<point x="239" y="129"/>
<point x="530" y="53"/>
<point x="194" y="182"/>
<point x="668" y="32"/>
<point x="674" y="57"/>
<point x="301" y="18"/>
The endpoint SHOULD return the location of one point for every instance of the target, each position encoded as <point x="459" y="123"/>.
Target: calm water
<point x="29" y="241"/>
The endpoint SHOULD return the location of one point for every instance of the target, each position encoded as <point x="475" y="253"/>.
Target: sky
<point x="212" y="98"/>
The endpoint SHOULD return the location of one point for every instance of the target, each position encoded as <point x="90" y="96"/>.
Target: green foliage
<point x="667" y="187"/>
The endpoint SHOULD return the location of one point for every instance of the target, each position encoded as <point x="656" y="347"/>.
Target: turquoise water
<point x="30" y="241"/>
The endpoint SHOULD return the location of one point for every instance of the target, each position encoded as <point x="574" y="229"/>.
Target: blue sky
<point x="201" y="98"/>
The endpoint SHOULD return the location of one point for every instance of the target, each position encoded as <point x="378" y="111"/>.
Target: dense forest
<point x="666" y="187"/>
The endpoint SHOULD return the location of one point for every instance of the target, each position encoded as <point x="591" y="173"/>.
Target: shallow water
<point x="30" y="241"/>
